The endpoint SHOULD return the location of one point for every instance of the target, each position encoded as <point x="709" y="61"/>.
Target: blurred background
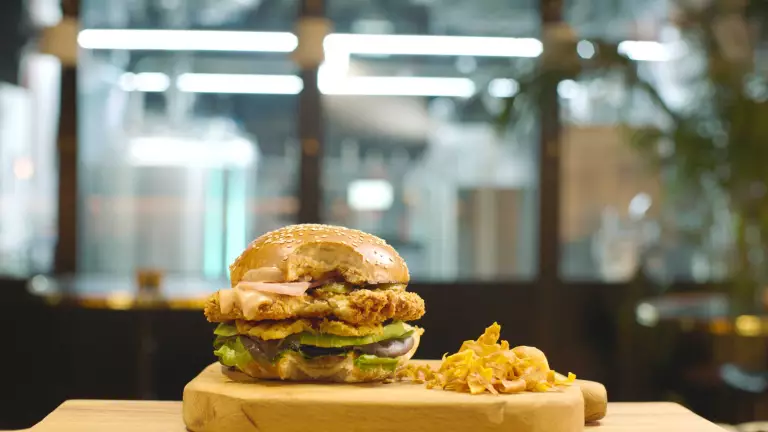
<point x="589" y="173"/>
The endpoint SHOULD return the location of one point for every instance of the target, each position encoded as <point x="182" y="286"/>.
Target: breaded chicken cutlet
<point x="361" y="307"/>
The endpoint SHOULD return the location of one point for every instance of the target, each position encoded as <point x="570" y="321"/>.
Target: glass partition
<point x="188" y="145"/>
<point x="410" y="93"/>
<point x="29" y="118"/>
<point x="187" y="132"/>
<point x="621" y="213"/>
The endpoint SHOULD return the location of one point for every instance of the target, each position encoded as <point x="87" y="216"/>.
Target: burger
<point x="316" y="303"/>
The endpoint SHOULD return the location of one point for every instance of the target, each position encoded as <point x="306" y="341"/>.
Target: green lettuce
<point x="368" y="361"/>
<point x="225" y="329"/>
<point x="223" y="332"/>
<point x="396" y="330"/>
<point x="232" y="352"/>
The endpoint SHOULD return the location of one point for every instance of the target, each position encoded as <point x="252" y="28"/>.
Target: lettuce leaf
<point x="219" y="341"/>
<point x="367" y="361"/>
<point x="223" y="332"/>
<point x="232" y="352"/>
<point x="396" y="330"/>
<point x="225" y="329"/>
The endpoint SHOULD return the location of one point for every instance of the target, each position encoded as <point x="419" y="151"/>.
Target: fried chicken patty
<point x="358" y="307"/>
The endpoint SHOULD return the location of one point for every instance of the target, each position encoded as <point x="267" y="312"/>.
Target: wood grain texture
<point x="651" y="417"/>
<point x="595" y="400"/>
<point x="113" y="416"/>
<point x="213" y="403"/>
<point x="152" y="416"/>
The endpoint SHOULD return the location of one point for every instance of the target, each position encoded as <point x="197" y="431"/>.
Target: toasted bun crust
<point x="310" y="251"/>
<point x="293" y="367"/>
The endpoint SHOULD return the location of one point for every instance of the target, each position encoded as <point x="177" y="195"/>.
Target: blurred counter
<point x="708" y="312"/>
<point x="143" y="291"/>
<point x="152" y="301"/>
<point x="710" y="357"/>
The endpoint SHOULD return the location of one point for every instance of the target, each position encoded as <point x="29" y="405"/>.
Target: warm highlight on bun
<point x="293" y="367"/>
<point x="311" y="251"/>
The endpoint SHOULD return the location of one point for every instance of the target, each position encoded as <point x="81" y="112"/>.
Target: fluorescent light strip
<point x="240" y="83"/>
<point x="434" y="45"/>
<point x="246" y="41"/>
<point x="401" y="86"/>
<point x="175" y="151"/>
<point x="370" y="195"/>
<point x="644" y="50"/>
<point x="292" y="84"/>
<point x="187" y="40"/>
<point x="503" y="88"/>
<point x="209" y="40"/>
<point x="145" y="82"/>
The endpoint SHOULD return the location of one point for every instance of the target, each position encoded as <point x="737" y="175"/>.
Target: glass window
<point x="619" y="217"/>
<point x="28" y="174"/>
<point x="187" y="132"/>
<point x="30" y="83"/>
<point x="609" y="200"/>
<point x="410" y="93"/>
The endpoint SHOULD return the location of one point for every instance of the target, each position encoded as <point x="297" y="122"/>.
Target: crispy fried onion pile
<point x="486" y="365"/>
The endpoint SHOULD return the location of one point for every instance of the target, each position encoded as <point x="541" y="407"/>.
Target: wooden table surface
<point x="150" y="416"/>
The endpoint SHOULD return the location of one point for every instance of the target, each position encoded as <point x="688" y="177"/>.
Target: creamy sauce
<point x="248" y="300"/>
<point x="227" y="300"/>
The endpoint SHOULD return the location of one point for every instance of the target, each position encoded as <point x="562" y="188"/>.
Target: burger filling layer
<point x="358" y="307"/>
<point x="240" y="342"/>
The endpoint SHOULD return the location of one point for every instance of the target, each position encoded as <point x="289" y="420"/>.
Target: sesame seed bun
<point x="312" y="251"/>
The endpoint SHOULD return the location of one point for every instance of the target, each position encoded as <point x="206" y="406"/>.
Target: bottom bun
<point x="294" y="367"/>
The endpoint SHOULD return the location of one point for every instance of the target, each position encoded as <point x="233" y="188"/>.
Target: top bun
<point x="310" y="252"/>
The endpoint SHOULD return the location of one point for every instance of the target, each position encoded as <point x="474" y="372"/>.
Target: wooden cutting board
<point x="214" y="403"/>
<point x="428" y="412"/>
<point x="155" y="416"/>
